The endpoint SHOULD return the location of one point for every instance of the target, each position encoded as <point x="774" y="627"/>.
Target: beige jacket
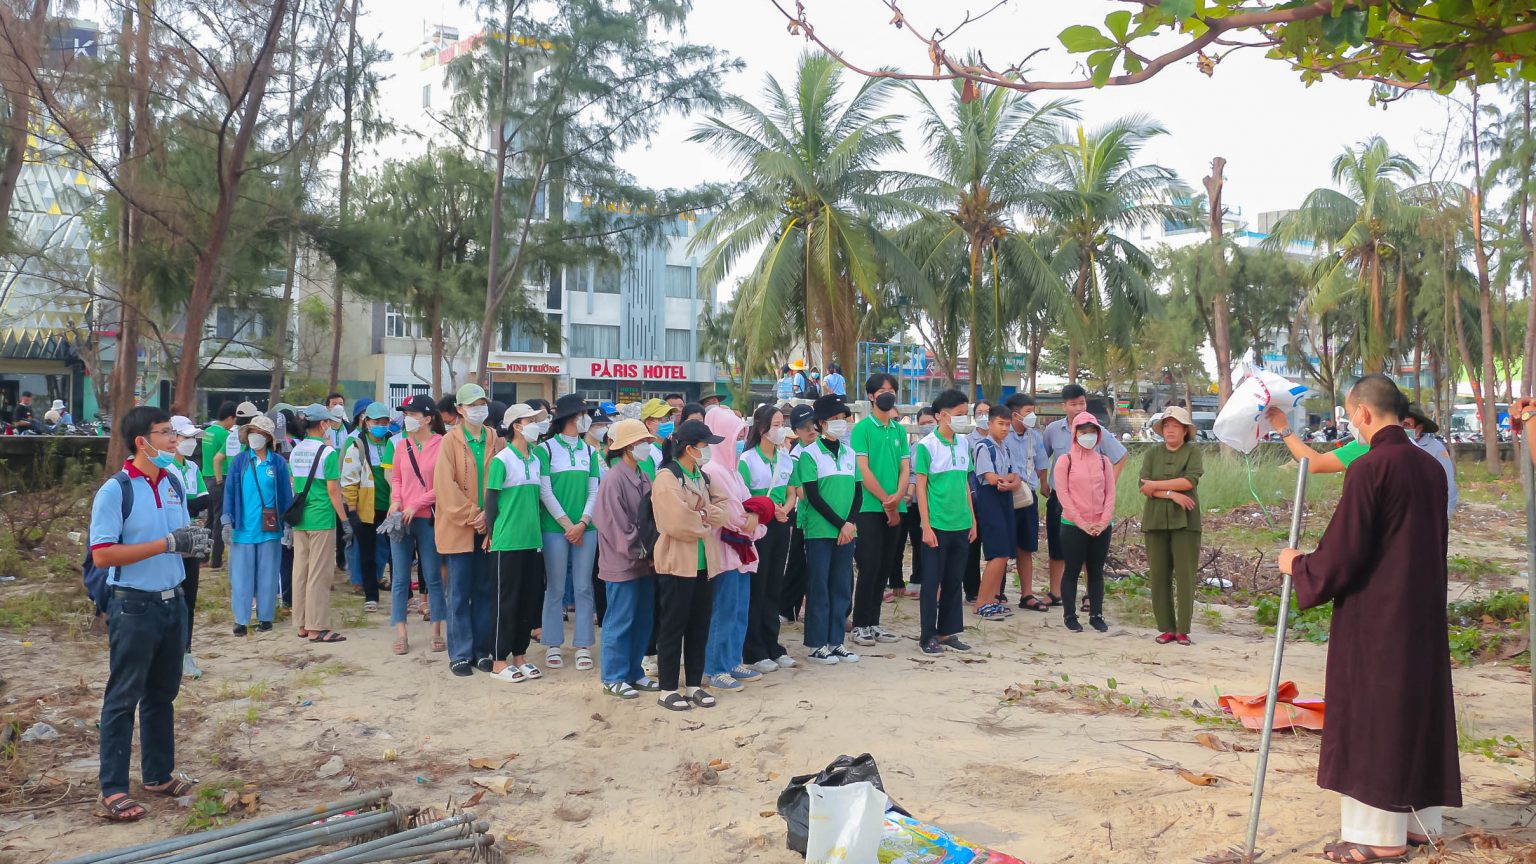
<point x="686" y="512"/>
<point x="458" y="487"/>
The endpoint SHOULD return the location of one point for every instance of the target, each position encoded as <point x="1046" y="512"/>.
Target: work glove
<point x="346" y="530"/>
<point x="191" y="541"/>
<point x="228" y="534"/>
<point x="393" y="526"/>
<point x="288" y="536"/>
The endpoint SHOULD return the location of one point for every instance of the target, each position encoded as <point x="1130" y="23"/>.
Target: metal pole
<point x="280" y="822"/>
<point x="1297" y="510"/>
<point x="394" y="839"/>
<point x="400" y="845"/>
<point x="1528" y="478"/>
<point x="333" y="831"/>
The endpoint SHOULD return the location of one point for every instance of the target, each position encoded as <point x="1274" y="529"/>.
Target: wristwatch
<point x="1284" y="433"/>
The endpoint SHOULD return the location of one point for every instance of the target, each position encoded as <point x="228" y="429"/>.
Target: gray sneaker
<point x="863" y="635"/>
<point x="885" y="636"/>
<point x="953" y="643"/>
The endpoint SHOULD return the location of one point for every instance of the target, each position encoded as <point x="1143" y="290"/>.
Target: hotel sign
<point x="618" y="370"/>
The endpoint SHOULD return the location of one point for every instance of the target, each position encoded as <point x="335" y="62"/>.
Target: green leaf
<point x="1179" y="9"/>
<point x="1347" y="26"/>
<point x="1084" y="37"/>
<point x="1132" y="65"/>
<point x="1102" y="64"/>
<point x="1119" y="24"/>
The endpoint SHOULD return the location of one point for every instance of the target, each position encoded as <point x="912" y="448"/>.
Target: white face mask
<point x="476" y="414"/>
<point x="600" y="433"/>
<point x="186" y="446"/>
<point x="983" y="419"/>
<point x="837" y="430"/>
<point x="1088" y="440"/>
<point x="1029" y="420"/>
<point x="411" y="425"/>
<point x="704" y="456"/>
<point x="926" y="429"/>
<point x="777" y="436"/>
<point x="531" y="433"/>
<point x="583" y="423"/>
<point x="962" y="425"/>
<point x="257" y="441"/>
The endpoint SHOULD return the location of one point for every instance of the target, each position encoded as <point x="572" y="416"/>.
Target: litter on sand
<point x="1290" y="709"/>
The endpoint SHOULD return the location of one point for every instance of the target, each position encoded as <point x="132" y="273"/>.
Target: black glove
<point x="346" y="528"/>
<point x="191" y="541"/>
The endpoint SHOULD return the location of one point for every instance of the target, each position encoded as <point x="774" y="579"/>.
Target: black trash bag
<point x="795" y="801"/>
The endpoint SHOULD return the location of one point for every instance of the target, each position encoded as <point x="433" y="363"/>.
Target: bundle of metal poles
<point x="366" y="827"/>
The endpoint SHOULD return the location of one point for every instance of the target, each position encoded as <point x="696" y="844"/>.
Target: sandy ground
<point x="1047" y="777"/>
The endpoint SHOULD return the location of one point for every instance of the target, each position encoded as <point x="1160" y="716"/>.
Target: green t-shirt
<point x="213" y="444"/>
<point x="191" y="480"/>
<point x="885" y="446"/>
<point x="694" y="476"/>
<point x="319" y="515"/>
<point x="568" y="467"/>
<point x="947" y="465"/>
<point x="835" y="477"/>
<point x="650" y="463"/>
<point x="1163" y="514"/>
<point x="477" y="447"/>
<point x="516" y="480"/>
<point x="1351" y="451"/>
<point x="764" y="475"/>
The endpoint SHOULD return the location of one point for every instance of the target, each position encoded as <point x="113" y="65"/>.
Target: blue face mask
<point x="164" y="458"/>
<point x="394" y="428"/>
<point x="665" y="430"/>
<point x="378" y="431"/>
<point x="741" y="447"/>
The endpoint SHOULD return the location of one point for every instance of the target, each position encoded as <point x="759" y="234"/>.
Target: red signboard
<point x="619" y="370"/>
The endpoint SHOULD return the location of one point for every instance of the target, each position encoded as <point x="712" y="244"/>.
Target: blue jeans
<point x="563" y="562"/>
<point x="727" y="622"/>
<point x="471" y="604"/>
<point x="828" y="590"/>
<point x="418" y="539"/>
<point x="254" y="571"/>
<point x="627" y="628"/>
<point x="145" y="639"/>
<point x="354" y="573"/>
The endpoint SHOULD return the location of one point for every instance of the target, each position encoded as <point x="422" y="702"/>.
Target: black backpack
<point x="95" y="578"/>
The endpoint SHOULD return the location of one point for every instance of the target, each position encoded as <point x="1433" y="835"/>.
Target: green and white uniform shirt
<point x="947" y="465"/>
<point x="568" y="476"/>
<point x="765" y="476"/>
<point x="835" y="477"/>
<point x="516" y="479"/>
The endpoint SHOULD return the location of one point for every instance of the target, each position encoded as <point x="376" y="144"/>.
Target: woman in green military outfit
<point x="1170" y="524"/>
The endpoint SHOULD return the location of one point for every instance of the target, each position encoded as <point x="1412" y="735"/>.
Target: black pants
<point x="683" y="628"/>
<point x="519" y="600"/>
<point x="285" y="577"/>
<point x="1079" y="548"/>
<point x="877" y="554"/>
<point x="972" y="575"/>
<point x="215" y="510"/>
<point x="191" y="566"/>
<point x="599" y="588"/>
<point x="767" y="584"/>
<point x="146" y="636"/>
<point x="939" y="603"/>
<point x="792" y="594"/>
<point x="367" y="558"/>
<point x="912" y="523"/>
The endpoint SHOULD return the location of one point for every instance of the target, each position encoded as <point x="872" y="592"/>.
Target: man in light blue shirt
<point x="1058" y="440"/>
<point x="1421" y="431"/>
<point x="146" y="613"/>
<point x="1026" y="449"/>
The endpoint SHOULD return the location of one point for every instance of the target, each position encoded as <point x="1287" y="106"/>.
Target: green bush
<point x="1312" y="624"/>
<point x="1506" y="605"/>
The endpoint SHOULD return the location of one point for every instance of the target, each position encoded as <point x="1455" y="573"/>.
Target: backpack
<point x="96" y="578"/>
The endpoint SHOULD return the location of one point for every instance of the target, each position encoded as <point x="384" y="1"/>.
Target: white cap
<point x="185" y="428"/>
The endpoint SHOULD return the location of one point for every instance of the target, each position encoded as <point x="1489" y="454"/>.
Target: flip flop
<point x="328" y="636"/>
<point x="122" y="809"/>
<point x="1358" y="853"/>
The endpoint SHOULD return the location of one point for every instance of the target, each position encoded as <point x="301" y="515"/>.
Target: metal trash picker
<point x="1249" y="853"/>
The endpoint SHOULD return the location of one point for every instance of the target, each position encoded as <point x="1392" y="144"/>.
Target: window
<point x="426" y="95"/>
<point x="399" y="323"/>
<point x="580" y="277"/>
<point x="607" y="280"/>
<point x="679" y="346"/>
<point x="517" y="339"/>
<point x="239" y="325"/>
<point x="680" y="282"/>
<point x="594" y="340"/>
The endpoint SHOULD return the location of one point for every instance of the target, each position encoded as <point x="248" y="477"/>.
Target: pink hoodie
<point x="723" y="477"/>
<point x="1085" y="480"/>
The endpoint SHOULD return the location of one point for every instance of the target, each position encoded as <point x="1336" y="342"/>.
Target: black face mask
<point x="885" y="401"/>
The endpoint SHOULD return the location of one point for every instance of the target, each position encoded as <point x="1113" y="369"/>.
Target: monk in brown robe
<point x="1390" y="743"/>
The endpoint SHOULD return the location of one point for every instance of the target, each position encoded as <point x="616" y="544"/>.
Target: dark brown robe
<point x="1390" y="737"/>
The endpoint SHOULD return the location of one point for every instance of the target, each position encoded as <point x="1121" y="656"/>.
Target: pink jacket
<point x="406" y="491"/>
<point x="724" y="477"/>
<point x="1085" y="481"/>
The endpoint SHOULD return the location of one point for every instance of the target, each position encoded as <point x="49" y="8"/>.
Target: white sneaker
<point x="649" y="666"/>
<point x="765" y="666"/>
<point x="844" y="655"/>
<point x="823" y="656"/>
<point x="785" y="662"/>
<point x="863" y="636"/>
<point x="189" y="667"/>
<point x="885" y="636"/>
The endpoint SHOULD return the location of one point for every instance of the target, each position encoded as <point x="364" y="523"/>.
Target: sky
<point x="1279" y="136"/>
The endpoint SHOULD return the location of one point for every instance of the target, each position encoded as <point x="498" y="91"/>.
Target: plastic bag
<point x="846" y="823"/>
<point x="913" y="842"/>
<point x="794" y="801"/>
<point x="1239" y="425"/>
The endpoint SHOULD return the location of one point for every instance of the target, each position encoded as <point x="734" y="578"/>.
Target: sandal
<point x="1358" y="853"/>
<point x="175" y="787"/>
<point x="553" y="660"/>
<point x="1183" y="639"/>
<point x="1055" y="599"/>
<point x="622" y="690"/>
<point x="401" y="645"/>
<point x="371" y="606"/>
<point x="1034" y="604"/>
<point x="702" y="699"/>
<point x="1163" y="638"/>
<point x="531" y="671"/>
<point x="675" y="702"/>
<point x="327" y="636"/>
<point x="439" y="645"/>
<point x="121" y="808"/>
<point x="584" y="659"/>
<point x="511" y="674"/>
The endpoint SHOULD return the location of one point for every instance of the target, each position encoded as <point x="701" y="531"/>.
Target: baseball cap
<point x="376" y="411"/>
<point x="420" y="404"/>
<point x="247" y="410"/>
<point x="469" y="394"/>
<point x="654" y="409"/>
<point x="519" y="411"/>
<point x="801" y="415"/>
<point x="693" y="433"/>
<point x="316" y="413"/>
<point x="185" y="427"/>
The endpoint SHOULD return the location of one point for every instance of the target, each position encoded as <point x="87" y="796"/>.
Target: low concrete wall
<point x="1462" y="453"/>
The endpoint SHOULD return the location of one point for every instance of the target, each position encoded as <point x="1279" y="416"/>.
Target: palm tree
<point x="1092" y="189"/>
<point x="986" y="149"/>
<point x="813" y="197"/>
<point x="1358" y="226"/>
